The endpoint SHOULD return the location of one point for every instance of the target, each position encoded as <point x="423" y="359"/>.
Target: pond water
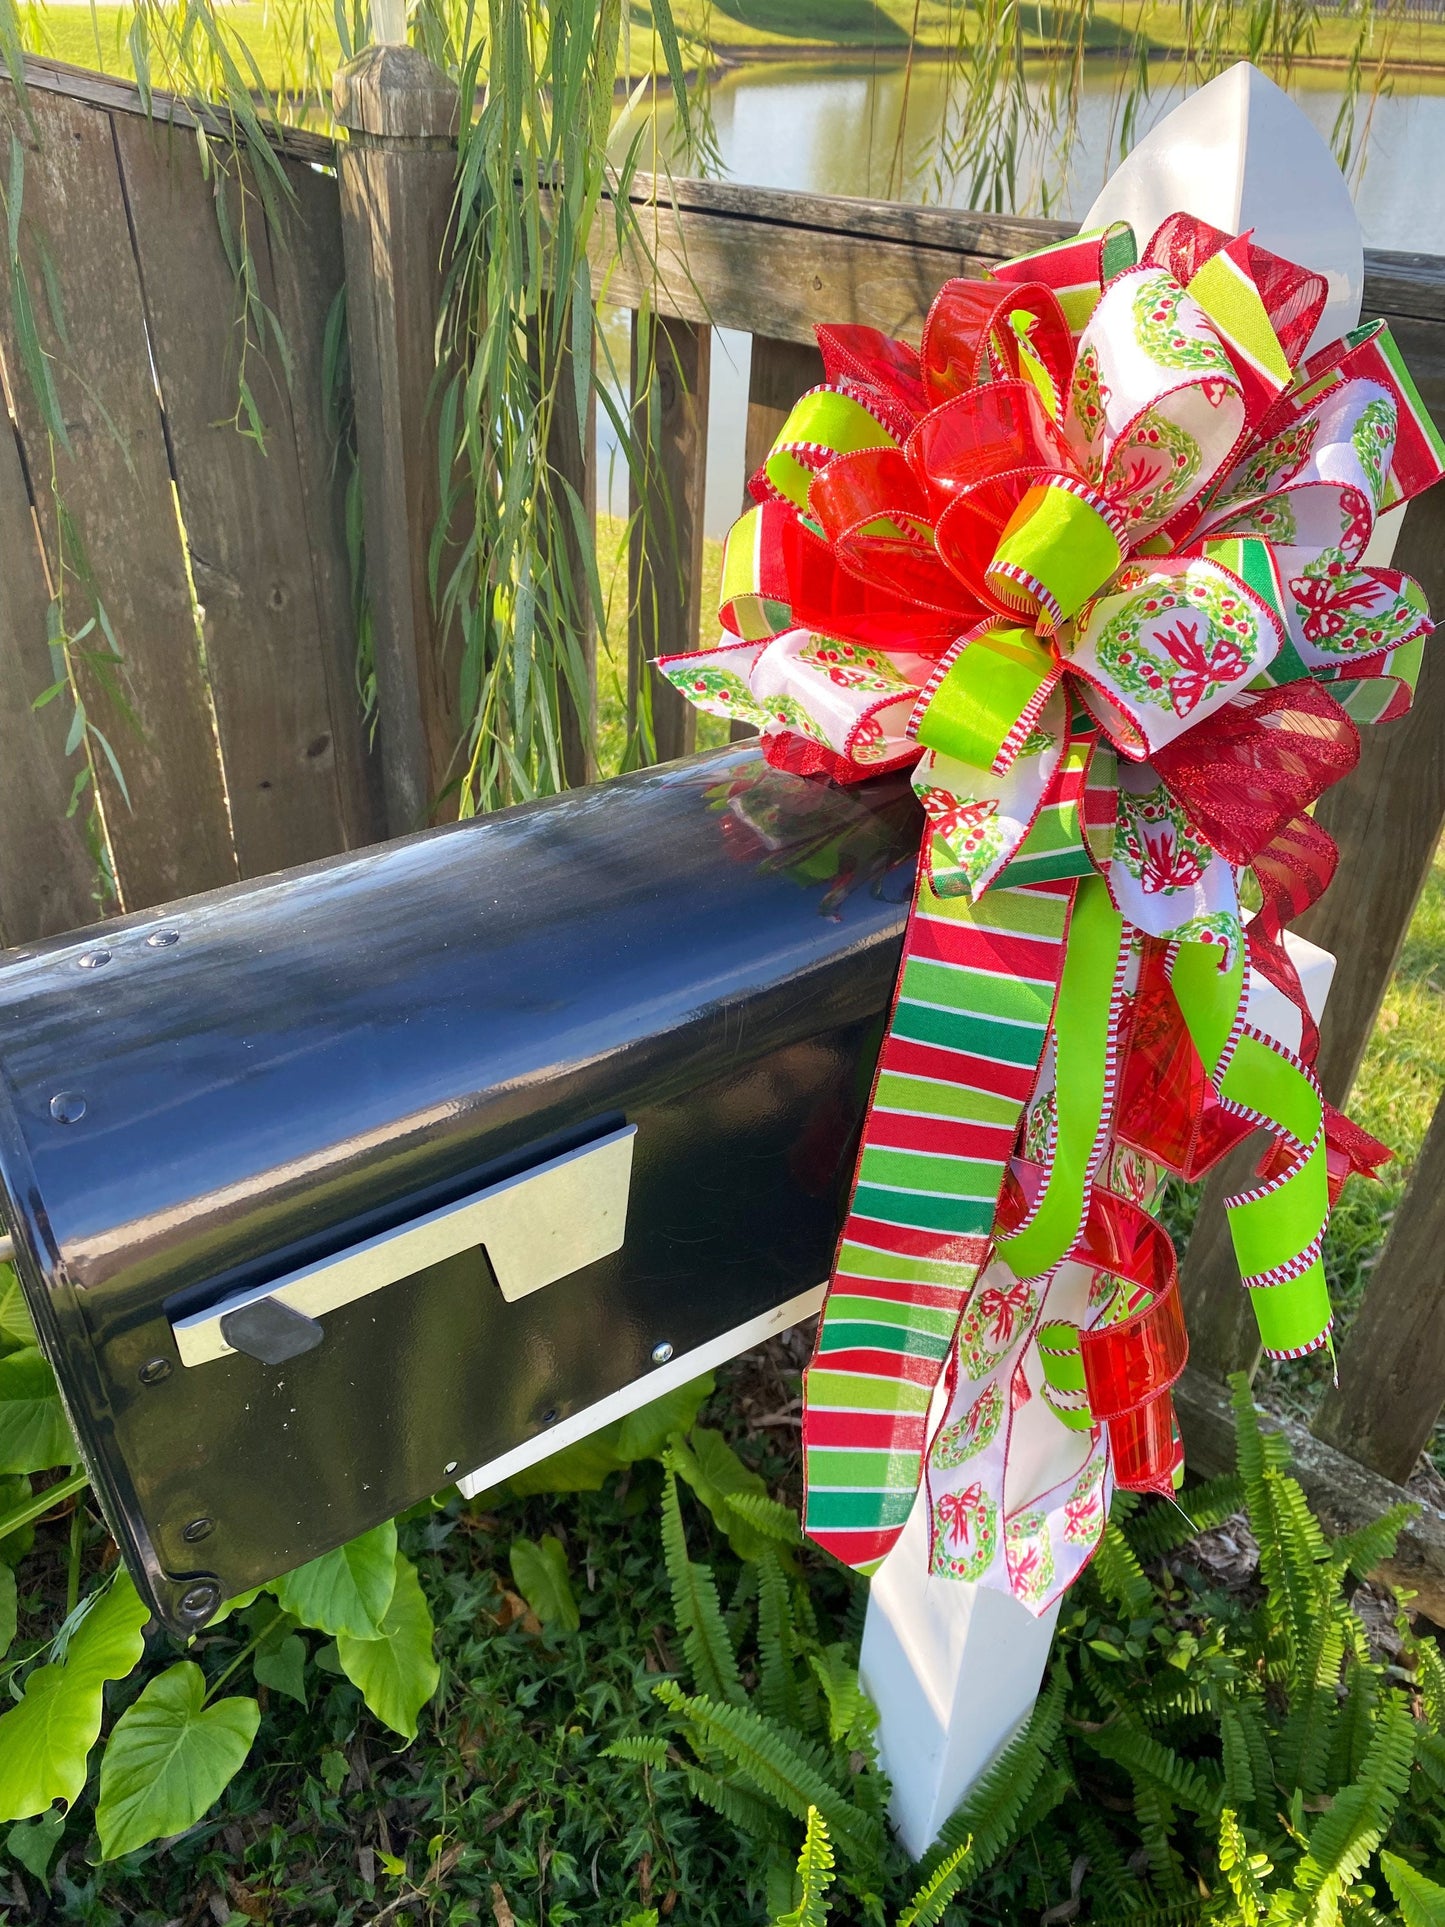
<point x="834" y="129"/>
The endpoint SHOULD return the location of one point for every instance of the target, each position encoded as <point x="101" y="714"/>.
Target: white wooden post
<point x="954" y="1669"/>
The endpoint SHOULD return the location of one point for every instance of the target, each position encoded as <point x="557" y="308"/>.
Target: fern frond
<point x="928" y="1905"/>
<point x="1119" y="1576"/>
<point x="696" y="1611"/>
<point x="1361" y="1551"/>
<point x="1430" y="1673"/>
<point x="1174" y="1697"/>
<point x="990" y="1813"/>
<point x="774" y="1521"/>
<point x="1421" y="1901"/>
<point x="642" y="1749"/>
<point x="1356" y="1722"/>
<point x="1294" y="1567"/>
<point x="1344" y="1837"/>
<point x="1255" y="1727"/>
<point x="1304" y="1747"/>
<point x="755" y="1818"/>
<point x="851" y="1714"/>
<point x="783" y="1768"/>
<point x="1055" y="1785"/>
<point x="1239" y="1785"/>
<point x="1107" y="1869"/>
<point x="1246" y="1872"/>
<point x="1148" y="1759"/>
<point x="815" y="1877"/>
<point x="1154" y="1812"/>
<point x="1430" y="1757"/>
<point x="1162" y="1527"/>
<point x="777" y="1677"/>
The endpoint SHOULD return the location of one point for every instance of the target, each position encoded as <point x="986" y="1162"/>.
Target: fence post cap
<point x="393" y="93"/>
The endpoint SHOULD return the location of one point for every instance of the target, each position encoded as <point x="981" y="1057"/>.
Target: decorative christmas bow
<point x="1091" y="561"/>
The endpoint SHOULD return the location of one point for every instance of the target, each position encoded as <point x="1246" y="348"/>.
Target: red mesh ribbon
<point x="1129" y="1366"/>
<point x="1294" y="297"/>
<point x="1350" y="1152"/>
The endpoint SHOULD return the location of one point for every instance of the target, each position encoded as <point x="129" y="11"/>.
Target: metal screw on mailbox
<point x="67" y="1107"/>
<point x="92" y="960"/>
<point x="162" y="939"/>
<point x="198" y="1529"/>
<point x="661" y="1352"/>
<point x="199" y="1602"/>
<point x="155" y="1371"/>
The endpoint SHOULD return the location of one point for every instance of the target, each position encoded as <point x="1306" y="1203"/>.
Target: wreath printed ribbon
<point x="1090" y="562"/>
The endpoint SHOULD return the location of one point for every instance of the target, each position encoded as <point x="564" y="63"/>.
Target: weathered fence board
<point x="47" y="876"/>
<point x="396" y="189"/>
<point x="671" y="363"/>
<point x="309" y="267"/>
<point x="241" y="503"/>
<point x="174" y="835"/>
<point x="572" y="471"/>
<point x="780" y="371"/>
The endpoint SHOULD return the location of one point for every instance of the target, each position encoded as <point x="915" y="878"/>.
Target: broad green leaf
<point x="585" y="1467"/>
<point x="33" y="1842"/>
<point x="229" y="1606"/>
<point x="9" y="1609"/>
<point x="46" y="1740"/>
<point x="14" y="1492"/>
<point x="1421" y="1900"/>
<point x="169" y="1759"/>
<point x="346" y="1591"/>
<point x="644" y="1433"/>
<point x="716" y="1474"/>
<point x="17" y="1331"/>
<point x="541" y="1575"/>
<point x="334" y="1769"/>
<point x="282" y="1667"/>
<point x="397" y="1672"/>
<point x="34" y="1433"/>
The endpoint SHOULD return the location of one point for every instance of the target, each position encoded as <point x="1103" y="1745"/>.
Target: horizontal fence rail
<point x="251" y="749"/>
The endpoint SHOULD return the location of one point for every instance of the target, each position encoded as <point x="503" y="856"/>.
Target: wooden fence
<point x="251" y="751"/>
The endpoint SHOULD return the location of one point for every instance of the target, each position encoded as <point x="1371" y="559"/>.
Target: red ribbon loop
<point x="969" y="338"/>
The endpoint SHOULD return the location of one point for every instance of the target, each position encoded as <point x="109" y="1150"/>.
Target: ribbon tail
<point x="975" y="997"/>
<point x="1277" y="1227"/>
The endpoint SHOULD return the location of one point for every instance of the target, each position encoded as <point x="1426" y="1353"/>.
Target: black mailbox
<point x="328" y="1188"/>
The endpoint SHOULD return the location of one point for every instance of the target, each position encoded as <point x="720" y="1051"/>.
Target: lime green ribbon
<point x="1083" y="1083"/>
<point x="1278" y="1227"/>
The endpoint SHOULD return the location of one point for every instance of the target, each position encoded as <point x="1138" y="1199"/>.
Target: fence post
<point x="671" y="365"/>
<point x="1392" y="1369"/>
<point x="398" y="172"/>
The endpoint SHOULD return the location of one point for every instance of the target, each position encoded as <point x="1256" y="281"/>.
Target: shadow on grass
<point x="837" y="22"/>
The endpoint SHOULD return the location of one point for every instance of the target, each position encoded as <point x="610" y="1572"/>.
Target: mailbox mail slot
<point x="330" y="1188"/>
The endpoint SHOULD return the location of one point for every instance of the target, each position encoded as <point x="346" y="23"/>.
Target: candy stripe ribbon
<point x="975" y="996"/>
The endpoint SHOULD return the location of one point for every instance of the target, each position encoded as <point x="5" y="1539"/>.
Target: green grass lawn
<point x="97" y="37"/>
